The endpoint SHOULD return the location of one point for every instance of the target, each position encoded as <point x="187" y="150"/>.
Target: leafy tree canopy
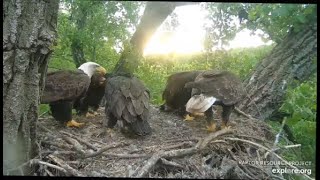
<point x="98" y="27"/>
<point x="276" y="20"/>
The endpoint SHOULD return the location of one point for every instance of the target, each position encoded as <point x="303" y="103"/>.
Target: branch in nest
<point x="244" y="114"/>
<point x="59" y="145"/>
<point x="181" y="140"/>
<point x="81" y="140"/>
<point x="247" y="173"/>
<point x="37" y="161"/>
<point x="270" y="151"/>
<point x="48" y="172"/>
<point x="126" y="155"/>
<point x="284" y="147"/>
<point x="64" y="165"/>
<point x="76" y="145"/>
<point x="103" y="149"/>
<point x="171" y="163"/>
<point x="252" y="137"/>
<point x="180" y="152"/>
<point x="44" y="128"/>
<point x="177" y="145"/>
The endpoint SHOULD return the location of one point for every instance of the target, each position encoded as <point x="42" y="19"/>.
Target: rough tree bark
<point x="29" y="30"/>
<point x="154" y="14"/>
<point x="293" y="59"/>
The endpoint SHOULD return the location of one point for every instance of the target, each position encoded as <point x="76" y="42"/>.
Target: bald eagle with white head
<point x="214" y="88"/>
<point x="64" y="87"/>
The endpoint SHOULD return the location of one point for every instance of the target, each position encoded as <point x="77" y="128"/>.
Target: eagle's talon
<point x="224" y="126"/>
<point x="188" y="118"/>
<point x="74" y="123"/>
<point x="211" y="128"/>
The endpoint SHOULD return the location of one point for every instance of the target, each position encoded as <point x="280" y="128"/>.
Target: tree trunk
<point x="77" y="52"/>
<point x="76" y="45"/>
<point x="154" y="14"/>
<point x="29" y="31"/>
<point x="291" y="60"/>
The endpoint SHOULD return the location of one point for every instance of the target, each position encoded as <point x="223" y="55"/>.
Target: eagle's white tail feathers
<point x="199" y="103"/>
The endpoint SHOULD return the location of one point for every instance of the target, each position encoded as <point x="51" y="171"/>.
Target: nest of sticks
<point x="175" y="149"/>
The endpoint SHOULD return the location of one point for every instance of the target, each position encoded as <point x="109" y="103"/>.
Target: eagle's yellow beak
<point x="101" y="70"/>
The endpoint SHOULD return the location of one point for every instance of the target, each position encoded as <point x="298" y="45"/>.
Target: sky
<point x="188" y="36"/>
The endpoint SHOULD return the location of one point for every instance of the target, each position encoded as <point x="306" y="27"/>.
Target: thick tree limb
<point x="150" y="163"/>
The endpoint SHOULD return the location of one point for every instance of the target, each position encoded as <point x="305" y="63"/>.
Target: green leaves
<point x="273" y="19"/>
<point x="301" y="103"/>
<point x="90" y="23"/>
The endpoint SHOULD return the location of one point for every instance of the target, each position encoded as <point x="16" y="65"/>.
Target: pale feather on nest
<point x="199" y="103"/>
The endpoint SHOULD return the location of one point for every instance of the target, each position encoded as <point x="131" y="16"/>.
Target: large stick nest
<point x="176" y="148"/>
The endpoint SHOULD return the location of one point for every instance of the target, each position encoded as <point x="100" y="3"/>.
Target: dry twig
<point x="37" y="161"/>
<point x="103" y="149"/>
<point x="65" y="166"/>
<point x="81" y="140"/>
<point x="180" y="152"/>
<point x="237" y="110"/>
<point x="76" y="145"/>
<point x="267" y="149"/>
<point x="171" y="163"/>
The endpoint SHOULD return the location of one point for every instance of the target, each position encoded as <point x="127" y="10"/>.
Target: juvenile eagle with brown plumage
<point x="214" y="88"/>
<point x="127" y="101"/>
<point x="175" y="95"/>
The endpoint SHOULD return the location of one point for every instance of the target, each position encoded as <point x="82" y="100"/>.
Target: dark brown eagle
<point x="214" y="88"/>
<point x="175" y="95"/>
<point x="93" y="96"/>
<point x="127" y="101"/>
<point x="64" y="87"/>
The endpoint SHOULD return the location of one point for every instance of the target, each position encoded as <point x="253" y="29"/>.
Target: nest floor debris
<point x="175" y="149"/>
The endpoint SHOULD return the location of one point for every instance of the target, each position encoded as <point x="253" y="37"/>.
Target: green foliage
<point x="276" y="20"/>
<point x="98" y="27"/>
<point x="155" y="69"/>
<point x="301" y="102"/>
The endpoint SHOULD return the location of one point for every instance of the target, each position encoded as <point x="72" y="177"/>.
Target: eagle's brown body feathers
<point x="127" y="101"/>
<point x="93" y="96"/>
<point x="216" y="87"/>
<point x="60" y="87"/>
<point x="223" y="85"/>
<point x="175" y="95"/>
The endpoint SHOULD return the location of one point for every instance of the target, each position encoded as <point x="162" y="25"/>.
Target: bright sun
<point x="168" y="42"/>
<point x="188" y="36"/>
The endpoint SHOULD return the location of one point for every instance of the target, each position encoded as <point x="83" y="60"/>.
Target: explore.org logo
<point x="291" y="171"/>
